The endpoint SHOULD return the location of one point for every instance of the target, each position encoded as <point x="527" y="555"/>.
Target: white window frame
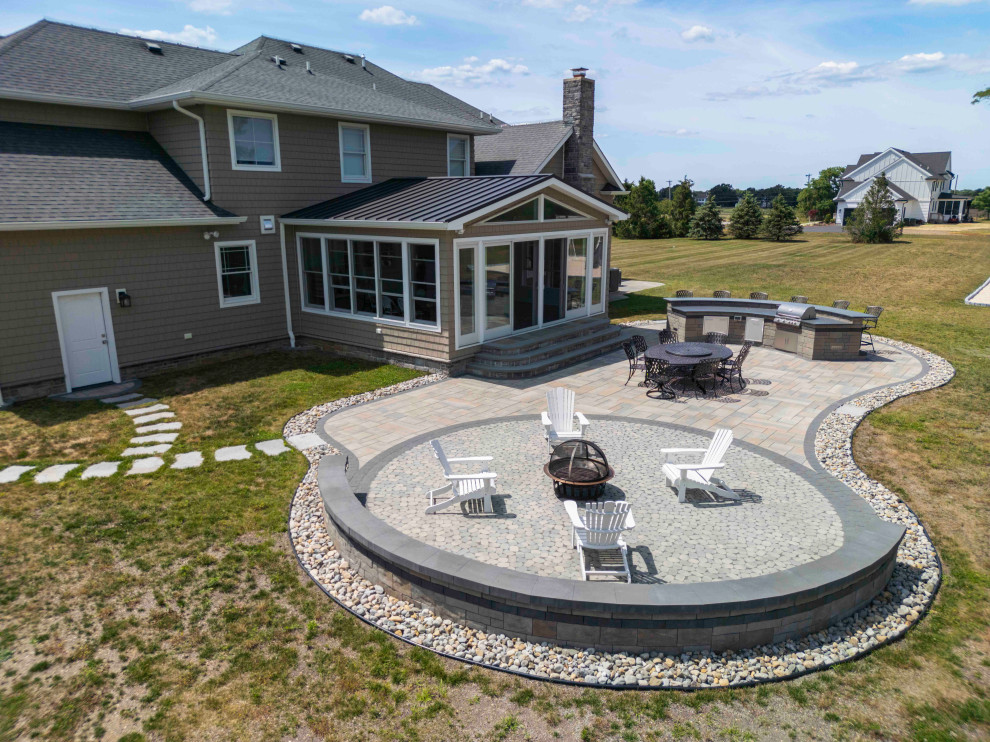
<point x="240" y="301"/>
<point x="366" y="178"/>
<point x="407" y="296"/>
<point x="277" y="167"/>
<point x="541" y="219"/>
<point x="467" y="153"/>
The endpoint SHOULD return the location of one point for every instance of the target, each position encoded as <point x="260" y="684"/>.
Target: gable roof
<point x="79" y="175"/>
<point x="934" y="163"/>
<point x="56" y="61"/>
<point x="848" y="186"/>
<point x="521" y="149"/>
<point x="437" y="203"/>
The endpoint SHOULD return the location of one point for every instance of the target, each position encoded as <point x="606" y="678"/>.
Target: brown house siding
<point x="52" y="114"/>
<point x="179" y="136"/>
<point x="170" y="274"/>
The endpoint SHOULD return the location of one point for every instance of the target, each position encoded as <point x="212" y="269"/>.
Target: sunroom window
<point x="553" y="211"/>
<point x="527" y="212"/>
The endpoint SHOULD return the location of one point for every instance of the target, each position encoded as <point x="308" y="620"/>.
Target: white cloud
<point x="388" y="16"/>
<point x="216" y="7"/>
<point x="470" y="74"/>
<point x="698" y="33"/>
<point x="580" y="14"/>
<point x="677" y="132"/>
<point x="188" y="35"/>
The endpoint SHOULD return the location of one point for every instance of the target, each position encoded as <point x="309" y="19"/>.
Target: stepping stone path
<point x="146" y="450"/>
<point x="158" y="427"/>
<point x="143" y="420"/>
<point x="13" y="473"/>
<point x="146" y="410"/>
<point x="154" y="438"/>
<point x="54" y="473"/>
<point x="305" y="441"/>
<point x="232" y="453"/>
<point x="188" y="460"/>
<point x="102" y="470"/>
<point x="272" y="448"/>
<point x="157" y="438"/>
<point x="121" y="398"/>
<point x="146" y="466"/>
<point x="140" y="403"/>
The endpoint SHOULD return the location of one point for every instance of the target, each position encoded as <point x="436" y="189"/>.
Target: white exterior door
<point x="85" y="338"/>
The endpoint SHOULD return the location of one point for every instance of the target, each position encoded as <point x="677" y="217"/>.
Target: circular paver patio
<point x="782" y="520"/>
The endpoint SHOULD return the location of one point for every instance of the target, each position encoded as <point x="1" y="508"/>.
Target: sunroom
<point x="437" y="267"/>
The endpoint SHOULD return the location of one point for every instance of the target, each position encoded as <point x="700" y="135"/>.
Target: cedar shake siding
<point x="171" y="275"/>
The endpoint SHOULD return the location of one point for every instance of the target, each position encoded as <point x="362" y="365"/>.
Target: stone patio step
<point x="556" y="361"/>
<point x="547" y="337"/>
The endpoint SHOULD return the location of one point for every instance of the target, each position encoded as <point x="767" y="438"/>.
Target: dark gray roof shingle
<point x="420" y="199"/>
<point x="849" y="185"/>
<point x="61" y="173"/>
<point x="936" y="163"/>
<point x="519" y="149"/>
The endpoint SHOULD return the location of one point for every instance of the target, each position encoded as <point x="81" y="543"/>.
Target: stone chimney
<point x="579" y="112"/>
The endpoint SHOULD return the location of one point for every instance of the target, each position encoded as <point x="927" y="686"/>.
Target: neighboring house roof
<point x="61" y="173"/>
<point x="71" y="64"/>
<point x="441" y="201"/>
<point x="848" y="186"/>
<point x="520" y="150"/>
<point x="936" y="164"/>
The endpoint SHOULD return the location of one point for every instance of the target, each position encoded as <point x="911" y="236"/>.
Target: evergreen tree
<point x="780" y="224"/>
<point x="746" y="218"/>
<point x="646" y="218"/>
<point x="682" y="208"/>
<point x="875" y="219"/>
<point x="819" y="196"/>
<point x="707" y="223"/>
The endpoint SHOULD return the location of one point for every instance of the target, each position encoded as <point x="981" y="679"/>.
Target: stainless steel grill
<point x="792" y="314"/>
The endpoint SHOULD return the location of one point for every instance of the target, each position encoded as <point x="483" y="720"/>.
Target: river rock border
<point x="907" y="597"/>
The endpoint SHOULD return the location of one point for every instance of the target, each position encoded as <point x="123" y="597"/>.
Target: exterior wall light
<point x="123" y="298"/>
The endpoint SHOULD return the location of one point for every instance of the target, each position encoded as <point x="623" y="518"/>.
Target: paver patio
<point x="778" y="407"/>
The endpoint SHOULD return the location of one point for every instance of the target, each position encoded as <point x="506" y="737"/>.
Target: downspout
<point x="202" y="147"/>
<point x="285" y="287"/>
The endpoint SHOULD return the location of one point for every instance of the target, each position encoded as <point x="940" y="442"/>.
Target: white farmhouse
<point x="920" y="184"/>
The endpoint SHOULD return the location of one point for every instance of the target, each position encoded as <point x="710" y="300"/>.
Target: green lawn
<point x="169" y="607"/>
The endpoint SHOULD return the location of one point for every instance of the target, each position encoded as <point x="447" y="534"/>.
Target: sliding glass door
<point x="525" y="289"/>
<point x="498" y="306"/>
<point x="554" y="279"/>
<point x="577" y="276"/>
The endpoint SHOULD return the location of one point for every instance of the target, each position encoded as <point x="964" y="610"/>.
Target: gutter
<point x="285" y="286"/>
<point x="202" y="147"/>
<point x="217" y="221"/>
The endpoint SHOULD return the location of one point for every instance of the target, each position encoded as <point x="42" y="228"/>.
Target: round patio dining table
<point x="689" y="354"/>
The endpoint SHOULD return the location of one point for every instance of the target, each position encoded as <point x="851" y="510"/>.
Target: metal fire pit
<point x="579" y="470"/>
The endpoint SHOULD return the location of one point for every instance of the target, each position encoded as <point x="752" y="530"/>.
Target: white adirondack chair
<point x="559" y="418"/>
<point x="461" y="487"/>
<point x="600" y="529"/>
<point x="700" y="474"/>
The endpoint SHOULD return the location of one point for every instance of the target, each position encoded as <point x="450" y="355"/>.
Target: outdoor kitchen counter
<point x="833" y="334"/>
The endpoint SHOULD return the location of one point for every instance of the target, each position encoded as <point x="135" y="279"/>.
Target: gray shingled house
<point x="160" y="202"/>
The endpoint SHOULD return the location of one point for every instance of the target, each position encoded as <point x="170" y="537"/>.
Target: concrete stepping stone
<point x="272" y="448"/>
<point x="145" y="410"/>
<point x="100" y="471"/>
<point x="54" y="473"/>
<point x="136" y="403"/>
<point x="188" y="460"/>
<point x="121" y="398"/>
<point x="13" y="473"/>
<point x="146" y="466"/>
<point x="146" y="450"/>
<point x="232" y="453"/>
<point x="145" y="419"/>
<point x="305" y="441"/>
<point x="158" y="427"/>
<point x="156" y="438"/>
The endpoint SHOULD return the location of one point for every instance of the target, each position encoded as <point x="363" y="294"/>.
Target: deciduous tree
<point x="819" y="195"/>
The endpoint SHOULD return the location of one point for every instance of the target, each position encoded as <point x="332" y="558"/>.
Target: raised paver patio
<point x="785" y="395"/>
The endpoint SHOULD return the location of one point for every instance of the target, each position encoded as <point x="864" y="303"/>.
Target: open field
<point x="170" y="607"/>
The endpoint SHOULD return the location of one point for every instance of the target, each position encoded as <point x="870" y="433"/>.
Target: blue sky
<point x="749" y="93"/>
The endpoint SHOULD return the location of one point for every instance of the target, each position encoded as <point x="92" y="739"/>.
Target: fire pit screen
<point x="579" y="470"/>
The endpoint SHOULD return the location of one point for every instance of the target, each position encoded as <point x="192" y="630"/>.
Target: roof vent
<point x="363" y="66"/>
<point x="296" y="48"/>
<point x="278" y="61"/>
<point x="153" y="47"/>
<point x="309" y="69"/>
<point x="349" y="58"/>
<point x="579" y="71"/>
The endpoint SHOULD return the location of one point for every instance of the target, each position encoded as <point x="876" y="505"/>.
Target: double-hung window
<point x="253" y="141"/>
<point x="355" y="153"/>
<point x="384" y="280"/>
<point x="458" y="155"/>
<point x="237" y="273"/>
